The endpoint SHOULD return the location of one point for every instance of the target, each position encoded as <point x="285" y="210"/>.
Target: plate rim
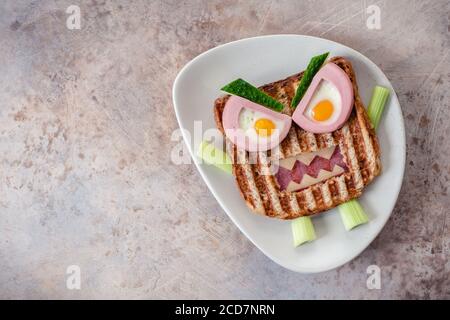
<point x="401" y="126"/>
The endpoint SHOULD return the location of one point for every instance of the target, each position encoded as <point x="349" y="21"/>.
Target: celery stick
<point x="352" y="214"/>
<point x="302" y="230"/>
<point x="377" y="103"/>
<point x="214" y="156"/>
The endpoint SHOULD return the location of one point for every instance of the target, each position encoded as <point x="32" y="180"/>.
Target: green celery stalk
<point x="242" y="88"/>
<point x="352" y="214"/>
<point x="314" y="65"/>
<point x="377" y="103"/>
<point x="214" y="156"/>
<point x="302" y="230"/>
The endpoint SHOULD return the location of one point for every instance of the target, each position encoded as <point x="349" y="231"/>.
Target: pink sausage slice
<point x="230" y="121"/>
<point x="332" y="73"/>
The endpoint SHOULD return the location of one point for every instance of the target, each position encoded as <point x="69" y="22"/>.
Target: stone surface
<point x="85" y="124"/>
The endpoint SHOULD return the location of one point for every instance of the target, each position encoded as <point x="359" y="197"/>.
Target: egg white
<point x="325" y="91"/>
<point x="247" y="120"/>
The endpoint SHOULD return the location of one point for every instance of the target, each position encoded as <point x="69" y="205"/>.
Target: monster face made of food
<point x="301" y="145"/>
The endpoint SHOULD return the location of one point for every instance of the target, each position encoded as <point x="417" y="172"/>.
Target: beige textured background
<point x="85" y="123"/>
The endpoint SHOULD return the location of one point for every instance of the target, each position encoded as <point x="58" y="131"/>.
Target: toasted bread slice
<point x="357" y="141"/>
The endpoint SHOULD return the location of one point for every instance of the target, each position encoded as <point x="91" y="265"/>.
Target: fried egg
<point x="253" y="127"/>
<point x="325" y="105"/>
<point x="259" y="127"/>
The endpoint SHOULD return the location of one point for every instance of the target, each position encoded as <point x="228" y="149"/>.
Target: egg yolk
<point x="264" y="127"/>
<point x="323" y="110"/>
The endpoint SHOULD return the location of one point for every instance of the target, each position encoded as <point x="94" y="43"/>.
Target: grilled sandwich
<point x="334" y="167"/>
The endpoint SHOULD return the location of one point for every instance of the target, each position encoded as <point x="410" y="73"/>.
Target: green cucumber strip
<point x="302" y="230"/>
<point x="214" y="156"/>
<point x="377" y="103"/>
<point x="314" y="65"/>
<point x="245" y="90"/>
<point x="352" y="214"/>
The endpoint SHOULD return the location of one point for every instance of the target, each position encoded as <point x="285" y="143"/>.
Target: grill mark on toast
<point x="349" y="182"/>
<point x="361" y="150"/>
<point x="333" y="189"/>
<point x="288" y="203"/>
<point x="329" y="141"/>
<point x="317" y="194"/>
<point x="351" y="156"/>
<point x="309" y="200"/>
<point x="326" y="142"/>
<point x="368" y="142"/>
<point x="293" y="203"/>
<point x="270" y="184"/>
<point x="321" y="143"/>
<point x="337" y="136"/>
<point x="311" y="138"/>
<point x="325" y="192"/>
<point x="292" y="147"/>
<point x="246" y="168"/>
<point x="261" y="189"/>
<point x="301" y="200"/>
<point x="244" y="185"/>
<point x="342" y="187"/>
<point x="307" y="141"/>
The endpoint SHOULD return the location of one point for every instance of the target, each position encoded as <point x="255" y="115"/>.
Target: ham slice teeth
<point x="285" y="176"/>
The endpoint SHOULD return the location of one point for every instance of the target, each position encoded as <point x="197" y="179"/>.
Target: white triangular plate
<point x="266" y="59"/>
